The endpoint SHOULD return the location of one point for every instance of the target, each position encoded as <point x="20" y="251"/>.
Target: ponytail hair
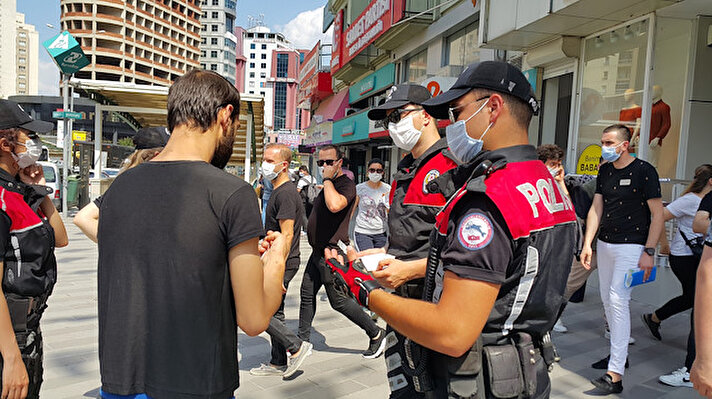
<point x="703" y="174"/>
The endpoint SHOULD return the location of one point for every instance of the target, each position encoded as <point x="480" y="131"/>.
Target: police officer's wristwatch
<point x="650" y="251"/>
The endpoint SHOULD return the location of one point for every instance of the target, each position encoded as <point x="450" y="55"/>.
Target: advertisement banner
<point x="318" y="134"/>
<point x="308" y="67"/>
<point x="336" y="43"/>
<point x="374" y="21"/>
<point x="307" y="77"/>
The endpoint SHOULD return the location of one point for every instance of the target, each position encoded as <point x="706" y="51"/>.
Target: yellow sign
<point x="588" y="161"/>
<point x="79" y="135"/>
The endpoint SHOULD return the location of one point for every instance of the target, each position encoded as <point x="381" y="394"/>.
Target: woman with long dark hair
<point x="683" y="262"/>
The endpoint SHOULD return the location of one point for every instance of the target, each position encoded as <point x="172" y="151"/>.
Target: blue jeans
<point x="368" y="241"/>
<point x="106" y="395"/>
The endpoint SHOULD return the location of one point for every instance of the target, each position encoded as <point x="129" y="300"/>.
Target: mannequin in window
<point x="659" y="124"/>
<point x="630" y="115"/>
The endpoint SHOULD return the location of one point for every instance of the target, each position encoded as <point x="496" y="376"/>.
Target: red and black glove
<point x="359" y="284"/>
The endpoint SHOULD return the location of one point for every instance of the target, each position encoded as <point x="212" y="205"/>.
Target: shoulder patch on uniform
<point x="475" y="231"/>
<point x="430" y="176"/>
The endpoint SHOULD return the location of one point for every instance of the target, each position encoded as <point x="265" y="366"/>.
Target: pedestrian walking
<point x="412" y="209"/>
<point x="490" y="298"/>
<point x="149" y="142"/>
<point x="701" y="373"/>
<point x="685" y="252"/>
<point x="30" y="230"/>
<point x="627" y="196"/>
<point x="329" y="225"/>
<point x="306" y="186"/>
<point x="372" y="208"/>
<point x="172" y="292"/>
<point x="284" y="214"/>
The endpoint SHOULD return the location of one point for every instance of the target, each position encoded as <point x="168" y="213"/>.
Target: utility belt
<point x="411" y="289"/>
<point x="25" y="311"/>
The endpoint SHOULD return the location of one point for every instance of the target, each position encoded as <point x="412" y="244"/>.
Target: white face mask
<point x="554" y="171"/>
<point x="321" y="171"/>
<point x="404" y="134"/>
<point x="268" y="170"/>
<point x="462" y="146"/>
<point x="375" y="177"/>
<point x="29" y="157"/>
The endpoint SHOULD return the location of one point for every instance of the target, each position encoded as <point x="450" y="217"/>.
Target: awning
<point x="333" y="107"/>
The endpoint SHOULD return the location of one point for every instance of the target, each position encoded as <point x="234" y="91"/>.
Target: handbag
<point x="696" y="244"/>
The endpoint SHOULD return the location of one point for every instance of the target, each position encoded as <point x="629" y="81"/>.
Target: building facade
<point x="8" y="67"/>
<point x="218" y="44"/>
<point x="27" y="58"/>
<point x="149" y="42"/>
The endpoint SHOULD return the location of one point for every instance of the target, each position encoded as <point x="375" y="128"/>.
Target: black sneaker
<point x="606" y="385"/>
<point x="603" y="363"/>
<point x="652" y="326"/>
<point x="376" y="346"/>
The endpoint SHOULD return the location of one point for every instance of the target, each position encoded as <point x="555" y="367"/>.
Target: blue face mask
<point x="609" y="154"/>
<point x="462" y="146"/>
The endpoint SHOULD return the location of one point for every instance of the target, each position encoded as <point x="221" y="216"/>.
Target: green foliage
<point x="126" y="141"/>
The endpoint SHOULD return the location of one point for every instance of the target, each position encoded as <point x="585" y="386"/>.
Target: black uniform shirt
<point x="706" y="204"/>
<point x="286" y="203"/>
<point x="626" y="216"/>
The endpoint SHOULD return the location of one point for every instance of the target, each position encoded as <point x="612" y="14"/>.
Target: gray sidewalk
<point x="336" y="368"/>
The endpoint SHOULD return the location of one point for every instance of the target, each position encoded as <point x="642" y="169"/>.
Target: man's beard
<point x="224" y="151"/>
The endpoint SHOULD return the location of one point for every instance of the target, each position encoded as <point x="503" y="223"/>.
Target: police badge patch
<point x="430" y="176"/>
<point x="475" y="231"/>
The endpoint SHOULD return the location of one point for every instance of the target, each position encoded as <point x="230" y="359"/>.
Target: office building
<point x="218" y="43"/>
<point x="27" y="57"/>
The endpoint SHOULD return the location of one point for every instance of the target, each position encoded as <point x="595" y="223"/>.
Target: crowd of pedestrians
<point x="469" y="251"/>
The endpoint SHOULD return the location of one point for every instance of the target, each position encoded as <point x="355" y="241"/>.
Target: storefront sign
<point x="588" y="161"/>
<point x="318" y="134"/>
<point x="531" y="75"/>
<point x="381" y="79"/>
<point x="352" y="128"/>
<point x="439" y="84"/>
<point x="336" y="45"/>
<point x="79" y="135"/>
<point x="367" y="27"/>
<point x="366" y="85"/>
<point x="308" y="67"/>
<point x="289" y="139"/>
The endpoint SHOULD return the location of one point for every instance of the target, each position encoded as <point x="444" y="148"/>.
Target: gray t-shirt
<point x="372" y="206"/>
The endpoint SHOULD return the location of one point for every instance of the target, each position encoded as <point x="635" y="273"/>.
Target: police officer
<point x="500" y="252"/>
<point x="30" y="228"/>
<point x="413" y="208"/>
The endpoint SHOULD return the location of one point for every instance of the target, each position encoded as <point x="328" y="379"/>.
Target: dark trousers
<point x="368" y="241"/>
<point x="685" y="269"/>
<point x="282" y="338"/>
<point x="317" y="274"/>
<point x="691" y="350"/>
<point x="30" y="344"/>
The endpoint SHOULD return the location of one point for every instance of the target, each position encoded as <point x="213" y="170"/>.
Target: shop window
<point x="416" y="67"/>
<point x="461" y="49"/>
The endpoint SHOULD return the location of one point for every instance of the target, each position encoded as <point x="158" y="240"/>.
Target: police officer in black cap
<point x="30" y="229"/>
<point x="413" y="208"/>
<point x="500" y="252"/>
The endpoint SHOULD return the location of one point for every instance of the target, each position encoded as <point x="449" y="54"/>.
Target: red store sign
<point x="374" y="21"/>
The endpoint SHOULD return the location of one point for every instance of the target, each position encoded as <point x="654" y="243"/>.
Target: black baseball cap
<point x="493" y="75"/>
<point x="151" y="137"/>
<point x="398" y="97"/>
<point x="12" y="115"/>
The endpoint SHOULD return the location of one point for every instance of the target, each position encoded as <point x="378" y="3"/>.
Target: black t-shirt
<point x="706" y="204"/>
<point x="167" y="323"/>
<point x="626" y="216"/>
<point x="324" y="228"/>
<point x="286" y="203"/>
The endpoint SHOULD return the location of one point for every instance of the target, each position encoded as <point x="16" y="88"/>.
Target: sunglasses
<point x="329" y="162"/>
<point x="454" y="112"/>
<point x="397" y="115"/>
<point x="372" y="170"/>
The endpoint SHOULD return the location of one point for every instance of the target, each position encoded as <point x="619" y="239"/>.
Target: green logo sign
<point x="66" y="53"/>
<point x="66" y="114"/>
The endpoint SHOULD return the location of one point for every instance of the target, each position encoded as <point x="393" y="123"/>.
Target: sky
<point x="300" y="21"/>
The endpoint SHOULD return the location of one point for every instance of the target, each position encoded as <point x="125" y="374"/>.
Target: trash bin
<point x="73" y="191"/>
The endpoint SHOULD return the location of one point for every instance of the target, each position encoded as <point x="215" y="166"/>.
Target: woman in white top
<point x="372" y="208"/>
<point x="684" y="264"/>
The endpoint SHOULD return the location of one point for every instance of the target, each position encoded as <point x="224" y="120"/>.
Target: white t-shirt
<point x="304" y="181"/>
<point x="684" y="209"/>
<point x="372" y="205"/>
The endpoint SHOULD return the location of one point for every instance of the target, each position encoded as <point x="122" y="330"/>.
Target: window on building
<point x="251" y="84"/>
<point x="252" y="46"/>
<point x="252" y="92"/>
<point x="204" y="40"/>
<point x="263" y="75"/>
<point x="214" y="28"/>
<point x="202" y="66"/>
<point x="213" y="40"/>
<point x="416" y="67"/>
<point x="252" y="56"/>
<point x="226" y="68"/>
<point x="262" y="93"/>
<point x="252" y="64"/>
<point x="203" y="27"/>
<point x="263" y="56"/>
<point x="214" y="54"/>
<point x="213" y="67"/>
<point x="229" y="23"/>
<point x="264" y="47"/>
<point x="252" y="74"/>
<point x="22" y="42"/>
<point x="461" y="49"/>
<point x="263" y="65"/>
<point x="215" y="14"/>
<point x="216" y="2"/>
<point x="22" y="60"/>
<point x="262" y="84"/>
<point x="280" y="102"/>
<point x="282" y="65"/>
<point x="202" y="53"/>
<point x="21" y="85"/>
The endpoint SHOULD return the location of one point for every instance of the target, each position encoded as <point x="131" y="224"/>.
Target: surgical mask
<point x="609" y="153"/>
<point x="375" y="177"/>
<point x="302" y="174"/>
<point x="29" y="157"/>
<point x="554" y="171"/>
<point x="462" y="146"/>
<point x="321" y="171"/>
<point x="268" y="170"/>
<point x="404" y="134"/>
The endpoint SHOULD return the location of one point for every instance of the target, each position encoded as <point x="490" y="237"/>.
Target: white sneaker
<point x="559" y="327"/>
<point x="607" y="335"/>
<point x="678" y="378"/>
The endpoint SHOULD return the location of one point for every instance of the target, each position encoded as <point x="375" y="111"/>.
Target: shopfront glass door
<point x="556" y="110"/>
